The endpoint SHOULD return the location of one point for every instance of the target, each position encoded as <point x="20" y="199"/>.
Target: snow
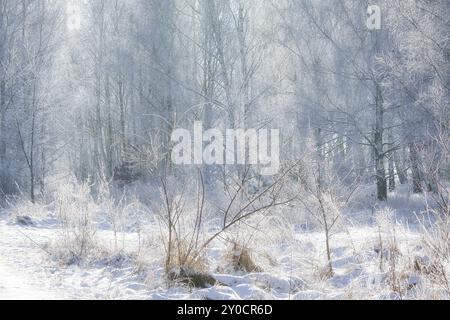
<point x="295" y="270"/>
<point x="14" y="286"/>
<point x="15" y="277"/>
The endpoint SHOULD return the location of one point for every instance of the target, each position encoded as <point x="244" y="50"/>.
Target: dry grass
<point x="187" y="269"/>
<point x="240" y="259"/>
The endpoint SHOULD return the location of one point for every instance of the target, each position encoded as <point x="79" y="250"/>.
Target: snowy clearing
<point x="292" y="263"/>
<point x="14" y="286"/>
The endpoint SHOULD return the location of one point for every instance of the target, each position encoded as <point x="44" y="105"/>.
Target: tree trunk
<point x="401" y="172"/>
<point x="416" y="174"/>
<point x="32" y="143"/>
<point x="2" y="122"/>
<point x="122" y="120"/>
<point x="391" y="173"/>
<point x="391" y="165"/>
<point x="379" y="147"/>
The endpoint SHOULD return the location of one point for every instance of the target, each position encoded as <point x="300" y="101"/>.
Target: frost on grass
<point x="268" y="257"/>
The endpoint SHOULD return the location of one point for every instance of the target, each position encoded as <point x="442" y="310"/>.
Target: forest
<point x="324" y="128"/>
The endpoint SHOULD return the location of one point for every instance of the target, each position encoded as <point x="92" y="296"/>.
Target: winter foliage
<point x="92" y="93"/>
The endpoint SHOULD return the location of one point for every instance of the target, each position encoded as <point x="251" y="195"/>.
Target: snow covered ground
<point x="16" y="286"/>
<point x="370" y="261"/>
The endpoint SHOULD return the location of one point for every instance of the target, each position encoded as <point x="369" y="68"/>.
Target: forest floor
<point x="370" y="261"/>
<point x="16" y="279"/>
<point x="16" y="286"/>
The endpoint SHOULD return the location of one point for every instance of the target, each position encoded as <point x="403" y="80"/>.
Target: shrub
<point x="241" y="259"/>
<point x="74" y="206"/>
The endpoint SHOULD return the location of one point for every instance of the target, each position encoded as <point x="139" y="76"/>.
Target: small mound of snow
<point x="216" y="293"/>
<point x="308" y="295"/>
<point x="343" y="280"/>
